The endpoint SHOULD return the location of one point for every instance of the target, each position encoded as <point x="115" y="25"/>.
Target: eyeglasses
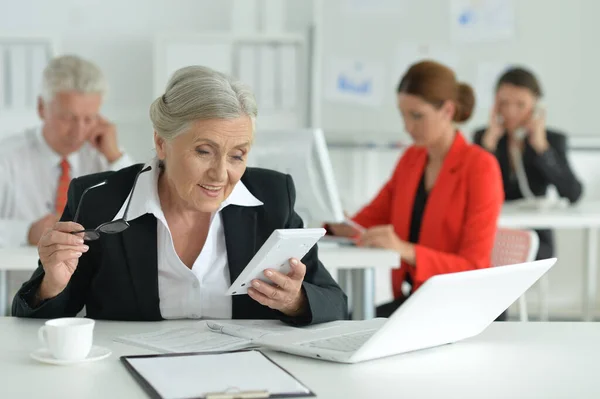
<point x="112" y="227"/>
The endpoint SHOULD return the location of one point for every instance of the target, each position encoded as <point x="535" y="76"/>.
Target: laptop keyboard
<point x="342" y="343"/>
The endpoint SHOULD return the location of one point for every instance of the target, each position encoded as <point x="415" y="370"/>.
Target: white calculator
<point x="276" y="252"/>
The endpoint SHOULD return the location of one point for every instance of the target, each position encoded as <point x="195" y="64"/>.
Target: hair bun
<point x="465" y="102"/>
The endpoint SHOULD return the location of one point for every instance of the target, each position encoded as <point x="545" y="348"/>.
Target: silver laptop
<point x="446" y="309"/>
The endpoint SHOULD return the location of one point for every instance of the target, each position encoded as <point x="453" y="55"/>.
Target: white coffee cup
<point x="68" y="338"/>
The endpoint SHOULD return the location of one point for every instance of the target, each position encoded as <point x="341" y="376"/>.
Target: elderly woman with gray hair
<point x="173" y="234"/>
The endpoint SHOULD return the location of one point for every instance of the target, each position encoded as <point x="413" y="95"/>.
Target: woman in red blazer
<point x="440" y="208"/>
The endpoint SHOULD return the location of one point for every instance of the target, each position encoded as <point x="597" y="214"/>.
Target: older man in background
<point x="37" y="165"/>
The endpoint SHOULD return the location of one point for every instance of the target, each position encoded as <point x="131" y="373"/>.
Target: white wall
<point x="556" y="38"/>
<point x="118" y="35"/>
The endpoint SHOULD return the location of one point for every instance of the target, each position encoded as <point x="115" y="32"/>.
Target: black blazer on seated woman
<point x="117" y="278"/>
<point x="542" y="170"/>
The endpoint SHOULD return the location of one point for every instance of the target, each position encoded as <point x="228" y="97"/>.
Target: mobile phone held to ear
<point x="276" y="252"/>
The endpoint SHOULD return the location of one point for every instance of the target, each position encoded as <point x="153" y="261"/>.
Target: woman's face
<point x="424" y="123"/>
<point x="203" y="165"/>
<point x="514" y="104"/>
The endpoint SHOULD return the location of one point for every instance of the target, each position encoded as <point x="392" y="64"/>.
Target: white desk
<point x="356" y="273"/>
<point x="509" y="360"/>
<point x="14" y="259"/>
<point x="585" y="215"/>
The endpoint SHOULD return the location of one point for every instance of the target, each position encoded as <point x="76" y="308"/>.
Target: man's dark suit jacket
<point x="542" y="170"/>
<point x="117" y="278"/>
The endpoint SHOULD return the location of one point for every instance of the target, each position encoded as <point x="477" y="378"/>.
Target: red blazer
<point x="460" y="218"/>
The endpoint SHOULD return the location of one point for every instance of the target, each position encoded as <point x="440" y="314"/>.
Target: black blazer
<point x="117" y="278"/>
<point x="542" y="170"/>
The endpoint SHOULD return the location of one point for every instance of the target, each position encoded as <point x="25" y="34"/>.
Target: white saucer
<point x="96" y="353"/>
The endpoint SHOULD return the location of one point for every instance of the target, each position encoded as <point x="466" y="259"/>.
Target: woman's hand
<point x="385" y="237"/>
<point x="343" y="230"/>
<point x="59" y="253"/>
<point x="537" y="136"/>
<point x="286" y="295"/>
<point x="349" y="228"/>
<point x="494" y="132"/>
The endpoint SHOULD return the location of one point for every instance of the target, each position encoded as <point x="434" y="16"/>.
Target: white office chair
<point x="519" y="246"/>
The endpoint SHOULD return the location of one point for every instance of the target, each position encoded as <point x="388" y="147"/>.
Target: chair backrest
<point x="514" y="246"/>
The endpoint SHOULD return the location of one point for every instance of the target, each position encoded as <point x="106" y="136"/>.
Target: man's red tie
<point x="63" y="187"/>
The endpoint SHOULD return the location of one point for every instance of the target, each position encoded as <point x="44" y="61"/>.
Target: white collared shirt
<point x="198" y="292"/>
<point x="29" y="174"/>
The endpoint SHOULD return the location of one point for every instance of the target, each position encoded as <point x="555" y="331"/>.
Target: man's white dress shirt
<point x="198" y="292"/>
<point x="29" y="173"/>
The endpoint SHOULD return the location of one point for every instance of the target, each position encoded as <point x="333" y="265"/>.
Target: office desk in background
<point x="508" y="360"/>
<point x="14" y="259"/>
<point x="584" y="215"/>
<point x="356" y="273"/>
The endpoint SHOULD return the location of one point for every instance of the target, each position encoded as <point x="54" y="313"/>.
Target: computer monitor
<point x="303" y="154"/>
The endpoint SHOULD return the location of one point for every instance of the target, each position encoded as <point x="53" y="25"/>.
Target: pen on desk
<point x="352" y="223"/>
<point x="237" y="395"/>
<point x="214" y="327"/>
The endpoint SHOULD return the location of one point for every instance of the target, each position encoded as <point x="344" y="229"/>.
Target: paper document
<point x="250" y="329"/>
<point x="196" y="338"/>
<point x="199" y="376"/>
<point x="482" y="20"/>
<point x="264" y="332"/>
<point x="355" y="81"/>
<point x="216" y="335"/>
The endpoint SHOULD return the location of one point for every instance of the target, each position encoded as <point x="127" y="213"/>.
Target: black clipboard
<point x="153" y="393"/>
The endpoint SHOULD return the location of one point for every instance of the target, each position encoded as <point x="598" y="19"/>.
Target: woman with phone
<point x="531" y="156"/>
<point x="440" y="208"/>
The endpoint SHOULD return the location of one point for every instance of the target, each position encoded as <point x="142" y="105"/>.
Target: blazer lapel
<point x="444" y="187"/>
<point x="239" y="224"/>
<point x="140" y="243"/>
<point x="411" y="180"/>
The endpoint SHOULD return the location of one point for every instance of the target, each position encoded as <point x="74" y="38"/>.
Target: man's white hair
<point x="72" y="73"/>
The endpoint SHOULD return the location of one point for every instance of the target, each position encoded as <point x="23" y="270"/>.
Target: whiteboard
<point x="558" y="40"/>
